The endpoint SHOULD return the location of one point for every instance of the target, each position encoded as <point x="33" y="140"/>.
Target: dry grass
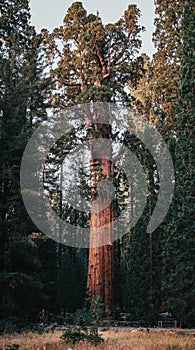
<point x="113" y="341"/>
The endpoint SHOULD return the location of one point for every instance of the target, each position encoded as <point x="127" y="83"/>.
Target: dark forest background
<point x="153" y="273"/>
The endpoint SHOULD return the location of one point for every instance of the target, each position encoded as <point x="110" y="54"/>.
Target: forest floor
<point x="116" y="339"/>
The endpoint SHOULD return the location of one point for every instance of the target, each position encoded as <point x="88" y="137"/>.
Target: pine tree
<point x="21" y="103"/>
<point x="157" y="92"/>
<point x="179" y="252"/>
<point x="157" y="97"/>
<point x="140" y="249"/>
<point x="166" y="63"/>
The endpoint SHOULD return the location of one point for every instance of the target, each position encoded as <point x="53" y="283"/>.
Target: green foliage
<point x="75" y="335"/>
<point x="83" y="317"/>
<point x="17" y="325"/>
<point x="21" y="107"/>
<point x="153" y="273"/>
<point x="98" y="312"/>
<point x="165" y="67"/>
<point x="101" y="58"/>
<point x="179" y="244"/>
<point x="93" y="315"/>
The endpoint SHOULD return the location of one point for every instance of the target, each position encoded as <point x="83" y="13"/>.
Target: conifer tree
<point x="166" y="63"/>
<point x="95" y="62"/>
<point x="21" y="107"/>
<point x="156" y="97"/>
<point x="179" y="252"/>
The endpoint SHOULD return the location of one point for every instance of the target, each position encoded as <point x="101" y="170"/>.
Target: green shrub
<point x="93" y="315"/>
<point x="82" y="317"/>
<point x="76" y="334"/>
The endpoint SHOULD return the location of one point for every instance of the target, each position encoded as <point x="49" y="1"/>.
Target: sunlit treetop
<point x="94" y="61"/>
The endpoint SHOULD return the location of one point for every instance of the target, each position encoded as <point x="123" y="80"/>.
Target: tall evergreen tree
<point x="21" y="106"/>
<point x="157" y="97"/>
<point x="179" y="252"/>
<point x="95" y="62"/>
<point x="140" y="262"/>
<point x="166" y="63"/>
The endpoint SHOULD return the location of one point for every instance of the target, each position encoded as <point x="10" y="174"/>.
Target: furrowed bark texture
<point x="101" y="253"/>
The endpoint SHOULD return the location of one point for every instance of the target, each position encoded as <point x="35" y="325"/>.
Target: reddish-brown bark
<point x="100" y="267"/>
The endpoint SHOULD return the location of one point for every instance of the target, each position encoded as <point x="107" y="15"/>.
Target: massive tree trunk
<point x="95" y="62"/>
<point x="100" y="267"/>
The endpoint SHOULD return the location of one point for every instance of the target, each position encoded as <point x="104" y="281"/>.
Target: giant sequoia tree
<point x="95" y="61"/>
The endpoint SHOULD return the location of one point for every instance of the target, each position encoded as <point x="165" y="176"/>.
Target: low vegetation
<point x="75" y="335"/>
<point x="134" y="340"/>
